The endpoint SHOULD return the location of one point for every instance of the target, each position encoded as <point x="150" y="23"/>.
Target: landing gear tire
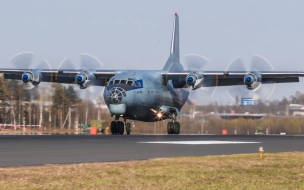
<point x="121" y="128"/>
<point x="128" y="128"/>
<point x="117" y="127"/>
<point x="170" y="127"/>
<point x="114" y="126"/>
<point x="173" y="128"/>
<point x="176" y="128"/>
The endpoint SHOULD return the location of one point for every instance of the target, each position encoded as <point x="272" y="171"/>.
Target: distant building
<point x="295" y="109"/>
<point x="249" y="102"/>
<point x="242" y="115"/>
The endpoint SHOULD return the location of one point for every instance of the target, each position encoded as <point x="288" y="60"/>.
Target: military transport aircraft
<point x="150" y="95"/>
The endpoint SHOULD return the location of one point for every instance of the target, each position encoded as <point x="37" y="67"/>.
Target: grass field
<point x="274" y="171"/>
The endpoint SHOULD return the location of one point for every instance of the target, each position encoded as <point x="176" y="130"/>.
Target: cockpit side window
<point x="111" y="81"/>
<point x="137" y="84"/>
<point x="116" y="81"/>
<point x="123" y="82"/>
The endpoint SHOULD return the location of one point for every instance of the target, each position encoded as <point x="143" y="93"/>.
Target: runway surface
<point x="20" y="150"/>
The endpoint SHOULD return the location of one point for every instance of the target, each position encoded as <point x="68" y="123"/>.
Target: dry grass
<point x="274" y="171"/>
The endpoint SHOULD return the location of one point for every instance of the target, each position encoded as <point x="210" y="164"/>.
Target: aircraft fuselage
<point x="139" y="95"/>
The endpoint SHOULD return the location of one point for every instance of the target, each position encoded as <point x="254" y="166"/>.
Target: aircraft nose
<point x="118" y="99"/>
<point x="115" y="95"/>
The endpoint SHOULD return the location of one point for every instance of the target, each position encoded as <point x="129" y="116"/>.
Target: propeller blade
<point x="198" y="63"/>
<point x="90" y="62"/>
<point x="28" y="86"/>
<point x="66" y="64"/>
<point x="258" y="63"/>
<point x="87" y="63"/>
<point x="44" y="65"/>
<point x="237" y="64"/>
<point x="22" y="60"/>
<point x="195" y="62"/>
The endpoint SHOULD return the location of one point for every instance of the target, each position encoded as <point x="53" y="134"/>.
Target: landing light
<point x="159" y="115"/>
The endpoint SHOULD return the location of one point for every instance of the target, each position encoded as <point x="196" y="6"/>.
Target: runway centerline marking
<point x="199" y="142"/>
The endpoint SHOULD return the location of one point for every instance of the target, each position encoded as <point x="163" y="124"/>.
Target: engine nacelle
<point x="85" y="79"/>
<point x="191" y="79"/>
<point x="31" y="78"/>
<point x="253" y="81"/>
<point x="195" y="81"/>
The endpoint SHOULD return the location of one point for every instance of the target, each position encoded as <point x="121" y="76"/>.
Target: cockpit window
<point x="131" y="82"/>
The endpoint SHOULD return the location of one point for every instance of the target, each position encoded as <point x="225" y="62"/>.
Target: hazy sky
<point x="136" y="34"/>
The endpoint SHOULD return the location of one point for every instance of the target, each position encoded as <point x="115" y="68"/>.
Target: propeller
<point x="32" y="76"/>
<point x="88" y="64"/>
<point x="198" y="63"/>
<point x="258" y="63"/>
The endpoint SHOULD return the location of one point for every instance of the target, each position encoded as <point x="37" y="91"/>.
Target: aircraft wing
<point x="59" y="76"/>
<point x="229" y="78"/>
<point x="205" y="79"/>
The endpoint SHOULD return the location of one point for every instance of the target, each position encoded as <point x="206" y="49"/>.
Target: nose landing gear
<point x="118" y="127"/>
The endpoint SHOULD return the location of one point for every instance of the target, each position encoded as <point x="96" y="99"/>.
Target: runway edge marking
<point x="198" y="142"/>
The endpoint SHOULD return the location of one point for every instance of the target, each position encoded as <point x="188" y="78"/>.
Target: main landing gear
<point x="173" y="128"/>
<point x="128" y="128"/>
<point x="118" y="127"/>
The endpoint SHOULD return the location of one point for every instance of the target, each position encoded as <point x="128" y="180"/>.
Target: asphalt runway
<point x="21" y="150"/>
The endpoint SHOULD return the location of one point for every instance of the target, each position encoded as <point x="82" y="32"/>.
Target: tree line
<point x="52" y="106"/>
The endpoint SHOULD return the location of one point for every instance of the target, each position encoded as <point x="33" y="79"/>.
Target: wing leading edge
<point x="60" y="76"/>
<point x="224" y="78"/>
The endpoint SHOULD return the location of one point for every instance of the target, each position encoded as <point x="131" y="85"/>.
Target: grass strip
<point x="247" y="171"/>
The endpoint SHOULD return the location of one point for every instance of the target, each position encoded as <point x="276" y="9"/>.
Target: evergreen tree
<point x="284" y="102"/>
<point x="63" y="98"/>
<point x="16" y="92"/>
<point x="4" y="97"/>
<point x="57" y="103"/>
<point x="70" y="95"/>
